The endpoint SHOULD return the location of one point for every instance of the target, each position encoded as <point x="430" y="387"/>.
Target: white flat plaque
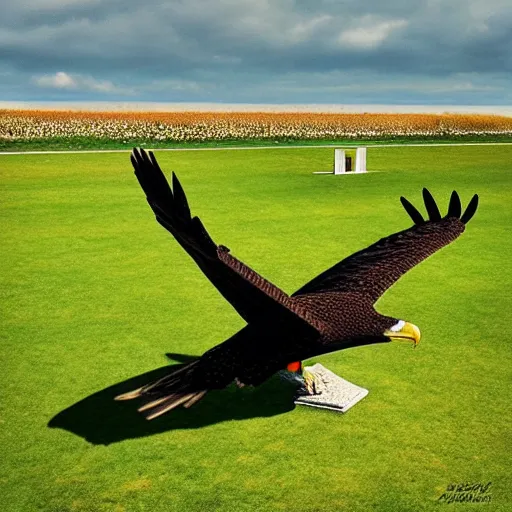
<point x="333" y="392"/>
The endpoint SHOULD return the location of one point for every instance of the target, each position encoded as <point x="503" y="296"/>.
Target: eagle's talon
<point x="309" y="382"/>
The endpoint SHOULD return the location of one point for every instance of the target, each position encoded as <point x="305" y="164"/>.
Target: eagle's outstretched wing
<point x="252" y="296"/>
<point x="374" y="269"/>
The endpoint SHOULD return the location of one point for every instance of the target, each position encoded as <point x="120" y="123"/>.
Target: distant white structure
<point x="339" y="161"/>
<point x="360" y="160"/>
<point x="340" y="166"/>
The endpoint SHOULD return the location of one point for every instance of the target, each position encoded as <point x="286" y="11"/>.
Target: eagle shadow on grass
<point x="101" y="420"/>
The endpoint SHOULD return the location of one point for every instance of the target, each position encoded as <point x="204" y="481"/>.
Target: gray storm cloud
<point x="241" y="50"/>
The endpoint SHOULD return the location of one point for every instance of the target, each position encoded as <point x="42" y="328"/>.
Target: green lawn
<point x="90" y="143"/>
<point x="95" y="292"/>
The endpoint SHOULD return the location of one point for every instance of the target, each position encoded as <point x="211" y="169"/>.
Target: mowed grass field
<point x="95" y="292"/>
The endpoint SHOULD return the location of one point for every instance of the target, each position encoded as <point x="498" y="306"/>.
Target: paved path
<point x="237" y="148"/>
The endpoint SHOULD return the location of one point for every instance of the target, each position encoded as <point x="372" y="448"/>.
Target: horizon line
<point x="152" y="106"/>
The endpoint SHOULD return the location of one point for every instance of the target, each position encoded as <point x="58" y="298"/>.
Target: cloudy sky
<point x="257" y="51"/>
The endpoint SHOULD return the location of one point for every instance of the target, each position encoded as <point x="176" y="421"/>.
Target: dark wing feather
<point x="252" y="296"/>
<point x="415" y="215"/>
<point x="454" y="208"/>
<point x="470" y="210"/>
<point x="430" y="204"/>
<point x="374" y="269"/>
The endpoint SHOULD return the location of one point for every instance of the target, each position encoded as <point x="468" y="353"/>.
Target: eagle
<point x="334" y="311"/>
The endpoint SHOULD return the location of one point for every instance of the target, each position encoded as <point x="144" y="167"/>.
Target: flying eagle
<point x="332" y="312"/>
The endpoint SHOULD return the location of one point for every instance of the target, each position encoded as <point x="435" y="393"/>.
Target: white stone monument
<point x="360" y="160"/>
<point x="340" y="166"/>
<point x="339" y="161"/>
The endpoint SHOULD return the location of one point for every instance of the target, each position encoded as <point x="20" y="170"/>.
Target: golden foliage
<point x="207" y="126"/>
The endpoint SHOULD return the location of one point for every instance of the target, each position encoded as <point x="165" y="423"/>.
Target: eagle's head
<point x="372" y="327"/>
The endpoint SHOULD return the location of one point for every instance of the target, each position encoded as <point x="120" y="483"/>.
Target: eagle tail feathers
<point x="165" y="404"/>
<point x="169" y="392"/>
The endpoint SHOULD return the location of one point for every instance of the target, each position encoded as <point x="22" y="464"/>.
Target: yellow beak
<point x="405" y="332"/>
